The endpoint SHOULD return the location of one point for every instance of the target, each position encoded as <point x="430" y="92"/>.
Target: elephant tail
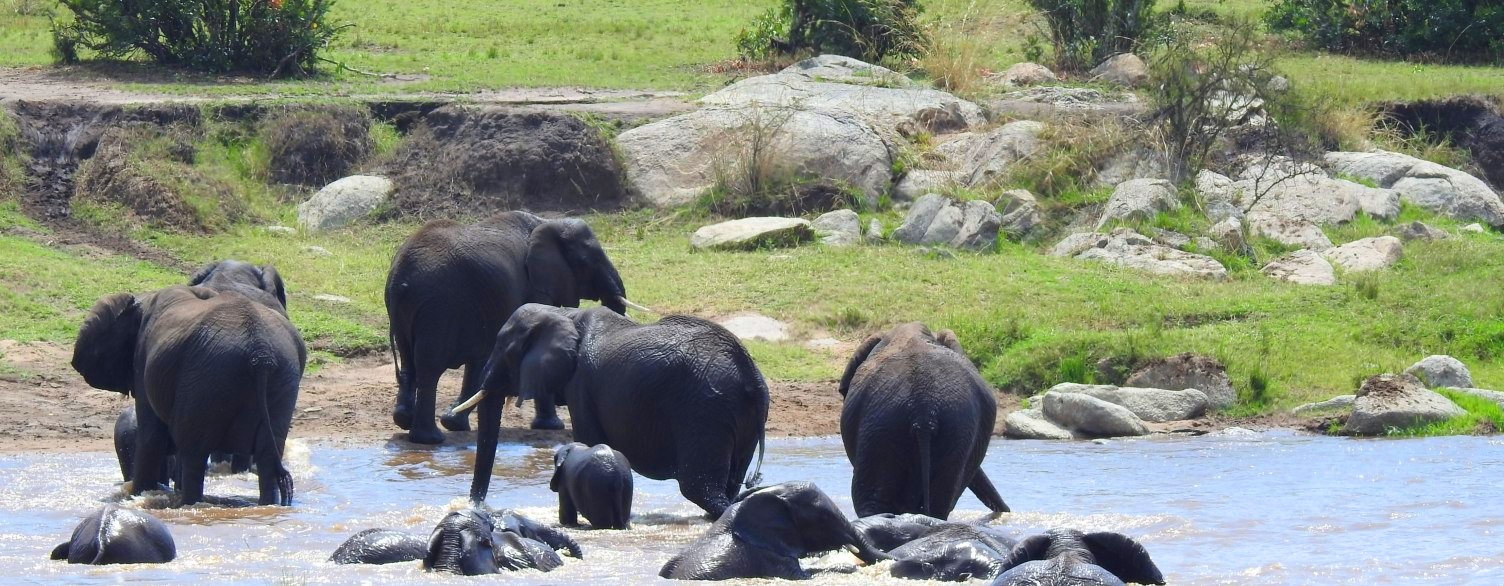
<point x="755" y="478"/>
<point x="924" y="431"/>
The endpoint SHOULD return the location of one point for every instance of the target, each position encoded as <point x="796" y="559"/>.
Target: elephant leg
<point x="875" y="488"/>
<point x="152" y="444"/>
<point x="402" y="413"/>
<point x="424" y="430"/>
<point x="240" y="463"/>
<point x="545" y="414"/>
<point x="621" y="518"/>
<point x="568" y="515"/>
<point x="704" y="463"/>
<point x="273" y="481"/>
<point x="461" y="421"/>
<point x="981" y="486"/>
<point x="192" y="468"/>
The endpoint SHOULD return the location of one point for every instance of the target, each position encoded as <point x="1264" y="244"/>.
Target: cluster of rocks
<point x="1388" y="402"/>
<point x="1185" y="387"/>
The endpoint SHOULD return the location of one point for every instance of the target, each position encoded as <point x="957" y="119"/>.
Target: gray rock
<point x="1396" y="401"/>
<point x="1133" y="163"/>
<point x="327" y="298"/>
<point x="1440" y="370"/>
<point x="1494" y="396"/>
<point x="317" y="251"/>
<point x="1219" y="196"/>
<point x="884" y="107"/>
<point x="1124" y="69"/>
<point x="1229" y="234"/>
<point x="1368" y="254"/>
<point x="919" y="182"/>
<point x="935" y="219"/>
<point x="1025" y="74"/>
<point x="1170" y="238"/>
<point x="1433" y="187"/>
<point x="1090" y="416"/>
<point x="281" y="230"/>
<point x="1420" y="231"/>
<point x="983" y="157"/>
<point x="752" y="233"/>
<point x="1187" y="371"/>
<point x="1287" y="190"/>
<point x="1129" y="249"/>
<point x="919" y="217"/>
<point x="1020" y="212"/>
<point x="1077" y="243"/>
<point x="1474" y="227"/>
<point x="1292" y="232"/>
<point x="673" y="161"/>
<point x="1157" y="405"/>
<point x="344" y="201"/>
<point x="1205" y="244"/>
<point x="874" y="233"/>
<point x="1332" y="404"/>
<point x="753" y="326"/>
<point x="1032" y="424"/>
<point x="838" y="228"/>
<point x="1302" y="267"/>
<point x="842" y="69"/>
<point x="1139" y="199"/>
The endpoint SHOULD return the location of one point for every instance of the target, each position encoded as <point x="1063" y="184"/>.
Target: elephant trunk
<point x="864" y="549"/>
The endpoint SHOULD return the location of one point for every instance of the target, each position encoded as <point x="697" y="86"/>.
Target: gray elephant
<point x="452" y="286"/>
<point x="1066" y="557"/>
<point x="764" y="534"/>
<point x="953" y="552"/>
<point x="680" y="398"/>
<point x="209" y="372"/>
<point x="125" y="449"/>
<point x="916" y="422"/>
<point x="261" y="284"/>
<point x="469" y="543"/>
<point x="888" y="531"/>
<point x="594" y="481"/>
<point x="113" y="535"/>
<point x="380" y="546"/>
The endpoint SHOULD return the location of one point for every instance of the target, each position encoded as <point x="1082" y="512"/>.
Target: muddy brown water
<point x="1229" y="508"/>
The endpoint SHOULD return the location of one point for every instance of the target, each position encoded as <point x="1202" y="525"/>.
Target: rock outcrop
<point x="1156" y="405"/>
<point x="936" y="219"/>
<point x="1187" y="371"/>
<point x="1302" y="267"/>
<point x="1440" y="370"/>
<point x="1390" y="401"/>
<point x="1433" y="187"/>
<point x="752" y="233"/>
<point x="344" y="201"/>
<point x="1368" y="254"/>
<point x="1089" y="416"/>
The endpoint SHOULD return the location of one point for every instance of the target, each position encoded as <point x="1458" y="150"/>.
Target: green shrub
<point x="1086" y="32"/>
<point x="1450" y="30"/>
<point x="871" y="30"/>
<point x="269" y="37"/>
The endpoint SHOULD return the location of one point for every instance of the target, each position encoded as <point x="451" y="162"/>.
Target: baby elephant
<point x="953" y="552"/>
<point x="380" y="546"/>
<point x="1066" y="557"/>
<point x="595" y="481"/>
<point x="470" y="543"/>
<point x="113" y="535"/>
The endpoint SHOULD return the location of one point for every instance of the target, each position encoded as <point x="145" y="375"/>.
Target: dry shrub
<point x="147" y="171"/>
<point x="1345" y="128"/>
<point x="1073" y="150"/>
<point x="956" y="57"/>
<point x="752" y="177"/>
<point x="313" y="146"/>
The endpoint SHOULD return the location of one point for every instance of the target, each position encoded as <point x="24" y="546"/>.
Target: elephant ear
<point x="535" y="349"/>
<point x="105" y="351"/>
<point x="764" y="520"/>
<point x="1125" y="558"/>
<point x="560" y="455"/>
<point x="856" y="361"/>
<point x="565" y="263"/>
<point x="1031" y="549"/>
<point x="271" y="282"/>
<point x="203" y="274"/>
<point x="948" y="339"/>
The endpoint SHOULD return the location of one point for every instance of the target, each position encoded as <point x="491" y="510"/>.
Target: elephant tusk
<point x="471" y="402"/>
<point x="628" y="303"/>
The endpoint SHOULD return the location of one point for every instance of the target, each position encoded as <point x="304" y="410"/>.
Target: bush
<point x="271" y="37"/>
<point x="1087" y="32"/>
<point x="314" y="146"/>
<point x="1450" y="30"/>
<point x="870" y="30"/>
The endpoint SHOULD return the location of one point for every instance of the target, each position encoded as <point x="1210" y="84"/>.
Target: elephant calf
<point x="953" y="552"/>
<point x="1066" y="557"/>
<point x="594" y="481"/>
<point x="469" y="543"/>
<point x="888" y="531"/>
<point x="113" y="535"/>
<point x="380" y="546"/>
<point x="764" y="534"/>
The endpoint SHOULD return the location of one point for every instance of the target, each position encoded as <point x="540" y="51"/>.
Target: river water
<point x="1231" y="508"/>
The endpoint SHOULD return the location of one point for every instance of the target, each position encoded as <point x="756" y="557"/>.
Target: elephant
<point x="953" y="552"/>
<point x="262" y="284"/>
<point x="452" y="286"/>
<point x="888" y="531"/>
<point x="113" y="535"/>
<point x="125" y="449"/>
<point x="468" y="542"/>
<point x="380" y="546"/>
<point x="681" y="398"/>
<point x="555" y="539"/>
<point x="915" y="423"/>
<point x="593" y="481"/>
<point x="765" y="532"/>
<point x="1067" y="557"/>
<point x="209" y="371"/>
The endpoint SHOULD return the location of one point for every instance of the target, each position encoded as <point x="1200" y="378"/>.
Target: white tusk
<point x="473" y="401"/>
<point x="628" y="303"/>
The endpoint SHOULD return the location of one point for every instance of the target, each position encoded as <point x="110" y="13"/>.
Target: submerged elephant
<point x="681" y="398"/>
<point x="888" y="531"/>
<point x="209" y="371"/>
<point x="1066" y="557"/>
<point x="594" y="481"/>
<point x="764" y="534"/>
<point x="113" y="535"/>
<point x="452" y="286"/>
<point x="468" y="542"/>
<point x="916" y="422"/>
<point x="953" y="552"/>
<point x="380" y="546"/>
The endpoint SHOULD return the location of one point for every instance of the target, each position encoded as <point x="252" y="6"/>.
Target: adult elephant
<point x="680" y="398"/>
<point x="209" y="371"/>
<point x="452" y="286"/>
<point x="916" y="422"/>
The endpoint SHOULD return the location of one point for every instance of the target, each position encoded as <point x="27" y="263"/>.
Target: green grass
<point x="1483" y="416"/>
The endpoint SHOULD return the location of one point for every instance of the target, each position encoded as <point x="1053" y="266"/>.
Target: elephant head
<point x="795" y="519"/>
<point x="262" y="284"/>
<point x="561" y="454"/>
<point x="105" y="351"/>
<point x="113" y="535"/>
<point x="1068" y="556"/>
<point x="565" y="263"/>
<point x="907" y="332"/>
<point x="463" y="543"/>
<point x="534" y="355"/>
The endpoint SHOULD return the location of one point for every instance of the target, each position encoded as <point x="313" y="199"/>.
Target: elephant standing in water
<point x="916" y="422"/>
<point x="680" y="398"/>
<point x="594" y="481"/>
<point x="452" y="286"/>
<point x="113" y="535"/>
<point x="210" y="372"/>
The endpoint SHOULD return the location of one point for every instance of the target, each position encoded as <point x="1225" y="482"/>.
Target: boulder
<point x="1204" y="244"/>
<point x="935" y="219"/>
<point x="752" y="233"/>
<point x="1090" y="416"/>
<point x="343" y="201"/>
<point x="1494" y="396"/>
<point x="919" y="182"/>
<point x="1054" y="101"/>
<point x="1020" y="212"/>
<point x="838" y="228"/>
<point x="1139" y="199"/>
<point x="1130" y="164"/>
<point x="874" y="233"/>
<point x="329" y="298"/>
<point x="983" y="157"/>
<point x="1474" y="228"/>
<point x="1025" y="74"/>
<point x="1419" y="231"/>
<point x="673" y="161"/>
<point x="1129" y="249"/>
<point x="842" y="69"/>
<point x="1287" y="190"/>
<point x="1187" y="371"/>
<point x="1302" y="267"/>
<point x="1170" y="238"/>
<point x="317" y="251"/>
<point x="1156" y="405"/>
<point x="1218" y="196"/>
<point x="1334" y="403"/>
<point x="1291" y="232"/>
<point x="1077" y="243"/>
<point x="754" y="326"/>
<point x="1124" y="69"/>
<point x="1440" y="370"/>
<point x="1433" y="187"/>
<point x="1032" y="424"/>
<point x="1229" y="234"/>
<point x="1368" y="254"/>
<point x="1396" y="401"/>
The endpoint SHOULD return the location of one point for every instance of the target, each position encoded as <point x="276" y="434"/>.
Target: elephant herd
<point x="214" y="369"/>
